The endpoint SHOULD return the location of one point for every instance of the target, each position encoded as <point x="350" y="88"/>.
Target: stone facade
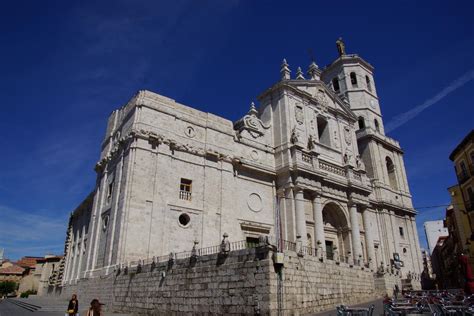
<point x="311" y="165"/>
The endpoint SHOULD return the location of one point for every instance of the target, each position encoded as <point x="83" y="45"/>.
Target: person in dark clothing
<point x="73" y="306"/>
<point x="95" y="309"/>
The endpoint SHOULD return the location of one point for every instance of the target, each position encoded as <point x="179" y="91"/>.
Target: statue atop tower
<point x="341" y="48"/>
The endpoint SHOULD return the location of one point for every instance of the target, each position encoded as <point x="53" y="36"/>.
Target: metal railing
<point x="234" y="246"/>
<point x="288" y="245"/>
<point x="285" y="245"/>
<point x="185" y="195"/>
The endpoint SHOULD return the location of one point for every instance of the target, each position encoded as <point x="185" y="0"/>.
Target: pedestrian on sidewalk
<point x="73" y="307"/>
<point x="95" y="309"/>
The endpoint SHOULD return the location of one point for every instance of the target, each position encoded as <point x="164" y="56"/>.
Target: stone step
<point x="24" y="305"/>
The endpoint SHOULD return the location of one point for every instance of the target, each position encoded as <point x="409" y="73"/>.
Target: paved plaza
<point x="56" y="307"/>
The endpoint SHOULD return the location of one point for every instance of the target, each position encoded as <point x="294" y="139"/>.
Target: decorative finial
<point x="285" y="70"/>
<point x="253" y="109"/>
<point x="341" y="48"/>
<point x="299" y="74"/>
<point x="313" y="71"/>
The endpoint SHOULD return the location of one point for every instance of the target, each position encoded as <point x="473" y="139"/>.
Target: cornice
<point x="157" y="139"/>
<point x="350" y="58"/>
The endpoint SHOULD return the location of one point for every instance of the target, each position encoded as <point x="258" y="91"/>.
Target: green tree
<point x="7" y="287"/>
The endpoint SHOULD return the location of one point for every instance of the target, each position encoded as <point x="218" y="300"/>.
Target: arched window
<point x="392" y="178"/>
<point x="335" y="84"/>
<point x="369" y="86"/>
<point x="323" y="131"/>
<point x="361" y="122"/>
<point x="353" y="79"/>
<point x="377" y="126"/>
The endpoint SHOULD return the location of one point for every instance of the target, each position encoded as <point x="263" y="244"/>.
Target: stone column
<point x="356" y="247"/>
<point x="300" y="215"/>
<point x="369" y="238"/>
<point x="319" y="225"/>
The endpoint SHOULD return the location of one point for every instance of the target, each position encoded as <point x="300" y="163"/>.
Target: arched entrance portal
<point x="336" y="231"/>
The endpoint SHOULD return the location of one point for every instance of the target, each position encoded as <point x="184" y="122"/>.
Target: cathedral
<point x="309" y="165"/>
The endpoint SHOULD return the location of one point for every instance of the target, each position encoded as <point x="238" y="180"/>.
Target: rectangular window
<point x="329" y="249"/>
<point x="463" y="174"/>
<point x="470" y="194"/>
<point x="185" y="189"/>
<point x="401" y="231"/>
<point x="470" y="200"/>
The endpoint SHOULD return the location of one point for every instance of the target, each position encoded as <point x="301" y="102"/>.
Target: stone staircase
<point x="21" y="303"/>
<point x="51" y="305"/>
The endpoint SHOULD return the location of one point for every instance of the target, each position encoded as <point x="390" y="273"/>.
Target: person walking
<point x="73" y="307"/>
<point x="396" y="291"/>
<point x="95" y="309"/>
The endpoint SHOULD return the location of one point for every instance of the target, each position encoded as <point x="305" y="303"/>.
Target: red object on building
<point x="468" y="275"/>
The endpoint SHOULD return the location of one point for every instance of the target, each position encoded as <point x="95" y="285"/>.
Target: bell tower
<point x="352" y="78"/>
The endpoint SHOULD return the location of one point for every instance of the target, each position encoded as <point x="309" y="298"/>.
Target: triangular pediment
<point x="322" y="95"/>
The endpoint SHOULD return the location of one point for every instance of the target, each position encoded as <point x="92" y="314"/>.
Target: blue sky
<point x="66" y="65"/>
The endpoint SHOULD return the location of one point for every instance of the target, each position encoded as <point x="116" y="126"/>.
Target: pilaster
<point x="300" y="215"/>
<point x="369" y="238"/>
<point x="355" y="231"/>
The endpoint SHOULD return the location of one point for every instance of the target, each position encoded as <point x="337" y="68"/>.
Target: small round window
<point x="404" y="250"/>
<point x="184" y="219"/>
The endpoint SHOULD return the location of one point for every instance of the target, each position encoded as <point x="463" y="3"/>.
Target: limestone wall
<point x="244" y="282"/>
<point x="237" y="284"/>
<point x="310" y="285"/>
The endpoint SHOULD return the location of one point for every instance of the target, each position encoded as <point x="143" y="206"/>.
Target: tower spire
<point x="313" y="71"/>
<point x="285" y="70"/>
<point x="299" y="74"/>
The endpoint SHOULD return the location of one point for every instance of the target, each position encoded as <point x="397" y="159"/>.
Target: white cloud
<point x="401" y="119"/>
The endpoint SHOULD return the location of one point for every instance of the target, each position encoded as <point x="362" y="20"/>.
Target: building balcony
<point x="185" y="195"/>
<point x="311" y="162"/>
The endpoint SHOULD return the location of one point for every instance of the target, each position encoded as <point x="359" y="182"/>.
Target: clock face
<point x="373" y="104"/>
